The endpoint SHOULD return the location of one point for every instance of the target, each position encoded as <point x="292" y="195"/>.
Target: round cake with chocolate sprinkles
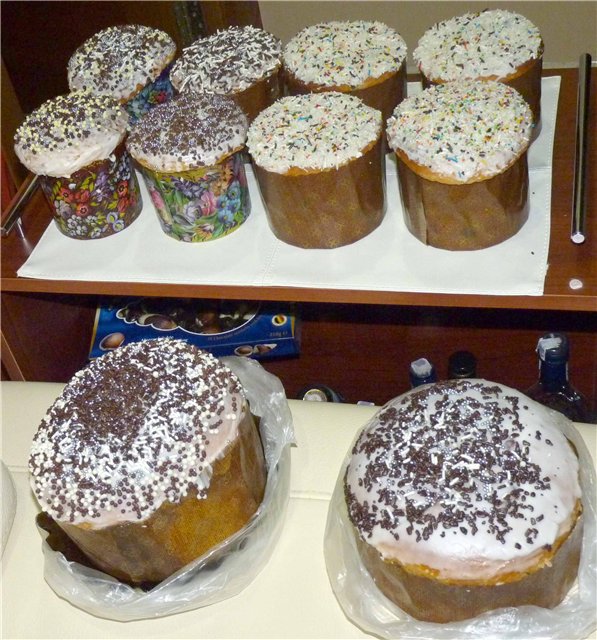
<point x="120" y="61"/>
<point x="318" y="159"/>
<point x="241" y="62"/>
<point x="364" y="58"/>
<point x="75" y="144"/>
<point x="70" y="132"/>
<point x="493" y="44"/>
<point x="464" y="497"/>
<point x="461" y="149"/>
<point x="191" y="130"/>
<point x="149" y="458"/>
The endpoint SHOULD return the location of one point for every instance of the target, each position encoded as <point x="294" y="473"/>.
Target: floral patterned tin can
<point x="200" y="204"/>
<point x="96" y="201"/>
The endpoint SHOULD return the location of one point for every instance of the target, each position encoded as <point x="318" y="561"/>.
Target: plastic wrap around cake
<point x="465" y="509"/>
<point x="220" y="572"/>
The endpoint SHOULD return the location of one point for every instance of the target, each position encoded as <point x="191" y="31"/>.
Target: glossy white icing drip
<point x="463" y="130"/>
<point x="457" y="554"/>
<point x="344" y="53"/>
<point x="312" y="131"/>
<point x="478" y="45"/>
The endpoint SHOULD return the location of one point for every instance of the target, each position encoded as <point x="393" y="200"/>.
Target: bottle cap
<point x="553" y="348"/>
<point x="319" y="393"/>
<point x="462" y="364"/>
<point x="421" y="372"/>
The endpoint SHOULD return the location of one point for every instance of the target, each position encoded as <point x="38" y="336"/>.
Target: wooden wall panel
<point x="362" y="351"/>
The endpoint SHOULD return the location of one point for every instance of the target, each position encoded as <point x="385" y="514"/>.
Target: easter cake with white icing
<point x="318" y="159"/>
<point x="462" y="163"/>
<point x="464" y="497"/>
<point x="149" y="458"/>
<point x="364" y="58"/>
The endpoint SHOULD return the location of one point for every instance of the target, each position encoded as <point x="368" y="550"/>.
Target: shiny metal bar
<point x="11" y="216"/>
<point x="577" y="233"/>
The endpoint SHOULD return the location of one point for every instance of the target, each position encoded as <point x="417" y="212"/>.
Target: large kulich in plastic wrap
<point x="242" y="63"/>
<point x="463" y="174"/>
<point x="494" y="44"/>
<point x="464" y="497"/>
<point x="363" y="58"/>
<point x="319" y="163"/>
<point x="149" y="458"/>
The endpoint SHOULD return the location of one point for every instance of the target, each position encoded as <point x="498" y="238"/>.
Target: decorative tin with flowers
<point x="189" y="150"/>
<point x="75" y="143"/>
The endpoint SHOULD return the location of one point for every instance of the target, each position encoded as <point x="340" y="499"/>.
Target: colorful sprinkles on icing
<point x="190" y="131"/>
<point x="132" y="430"/>
<point x="120" y="60"/>
<point x="462" y="470"/>
<point x="69" y="132"/>
<point x="312" y="131"/>
<point x="228" y="61"/>
<point x="339" y="53"/>
<point x="462" y="130"/>
<point x="478" y="45"/>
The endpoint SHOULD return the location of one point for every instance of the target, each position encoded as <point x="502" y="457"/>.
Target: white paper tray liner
<point x="388" y="259"/>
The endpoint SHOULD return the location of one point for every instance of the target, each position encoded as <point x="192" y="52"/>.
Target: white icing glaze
<point x="344" y="53"/>
<point x="120" y="60"/>
<point x="438" y="432"/>
<point x="152" y="441"/>
<point x="478" y="45"/>
<point x="228" y="61"/>
<point x="312" y="131"/>
<point x="70" y="132"/>
<point x="462" y="130"/>
<point x="189" y="131"/>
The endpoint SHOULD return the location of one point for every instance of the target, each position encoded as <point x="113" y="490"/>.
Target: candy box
<point x="241" y="328"/>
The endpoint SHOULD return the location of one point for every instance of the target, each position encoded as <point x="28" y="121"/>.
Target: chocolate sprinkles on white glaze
<point x="456" y="461"/>
<point x="120" y="60"/>
<point x="133" y="429"/>
<point x="187" y="132"/>
<point x="69" y="132"/>
<point x="228" y="61"/>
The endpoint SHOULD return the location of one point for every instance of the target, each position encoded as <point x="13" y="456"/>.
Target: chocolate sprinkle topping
<point x="451" y="456"/>
<point x="189" y="131"/>
<point x="120" y="60"/>
<point x="228" y="61"/>
<point x="131" y="430"/>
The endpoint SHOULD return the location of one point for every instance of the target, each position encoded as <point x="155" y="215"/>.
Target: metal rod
<point x="12" y="215"/>
<point x="577" y="233"/>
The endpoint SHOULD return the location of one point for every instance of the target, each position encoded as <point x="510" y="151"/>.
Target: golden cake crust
<point x="314" y="208"/>
<point x="177" y="534"/>
<point x="413" y="588"/>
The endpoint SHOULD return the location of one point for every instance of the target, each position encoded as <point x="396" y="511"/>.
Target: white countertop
<point x="270" y="607"/>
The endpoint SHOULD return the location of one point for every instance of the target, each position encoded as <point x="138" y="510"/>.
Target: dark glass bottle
<point x="319" y="393"/>
<point x="420" y="372"/>
<point x="462" y="364"/>
<point x="553" y="388"/>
